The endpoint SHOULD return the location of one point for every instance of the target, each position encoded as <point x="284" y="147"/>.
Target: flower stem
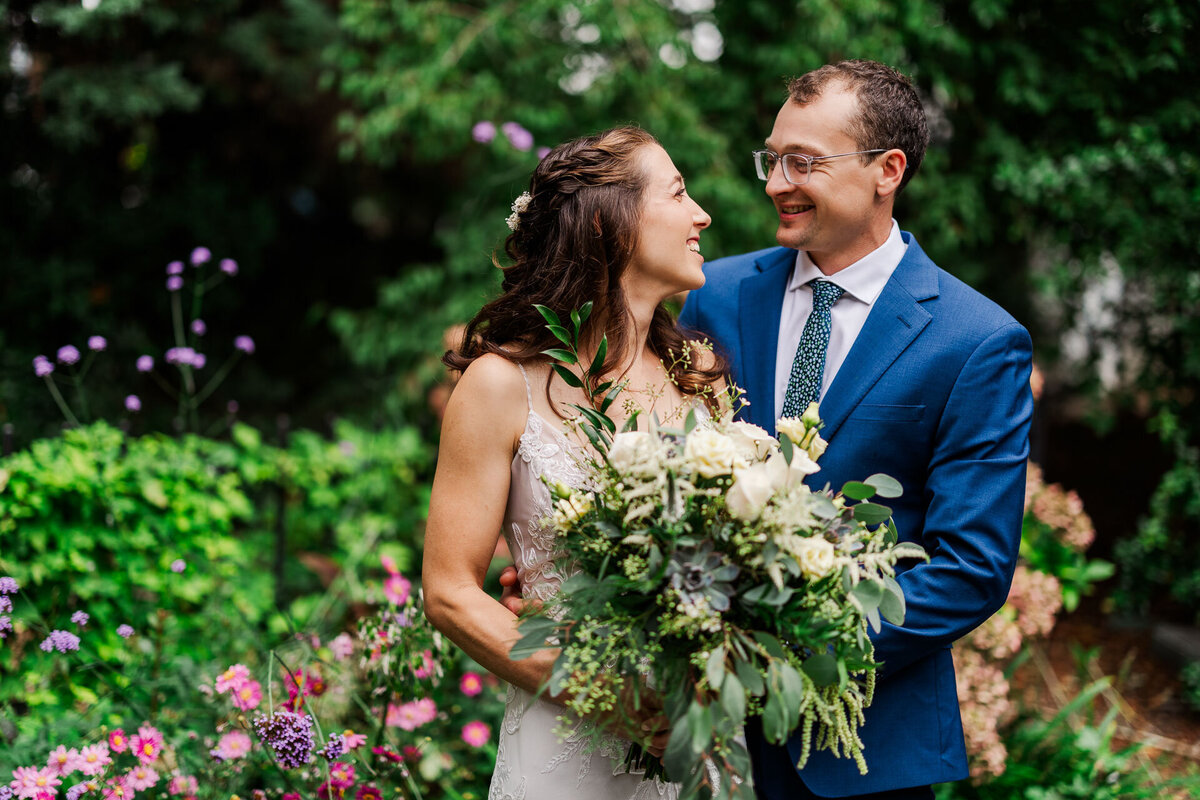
<point x="62" y="404"/>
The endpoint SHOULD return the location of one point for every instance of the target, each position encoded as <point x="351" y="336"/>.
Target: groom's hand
<point x="510" y="594"/>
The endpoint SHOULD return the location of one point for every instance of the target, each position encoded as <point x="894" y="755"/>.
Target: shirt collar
<point x="864" y="279"/>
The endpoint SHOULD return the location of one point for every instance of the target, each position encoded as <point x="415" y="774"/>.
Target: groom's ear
<point x="893" y="164"/>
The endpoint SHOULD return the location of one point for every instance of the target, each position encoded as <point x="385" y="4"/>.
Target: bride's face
<point x="667" y="257"/>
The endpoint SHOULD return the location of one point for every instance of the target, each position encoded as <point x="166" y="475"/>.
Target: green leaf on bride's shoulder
<point x="872" y="513"/>
<point x="631" y="424"/>
<point x="598" y="419"/>
<point x="821" y="668"/>
<point x="560" y="333"/>
<point x="585" y="311"/>
<point x="715" y="667"/>
<point x="786" y="447"/>
<point x="558" y="354"/>
<point x="856" y="490"/>
<point x="690" y="422"/>
<point x="885" y="485"/>
<point x="891" y="605"/>
<point x="548" y="314"/>
<point x="598" y="360"/>
<point x="568" y="377"/>
<point x="611" y="396"/>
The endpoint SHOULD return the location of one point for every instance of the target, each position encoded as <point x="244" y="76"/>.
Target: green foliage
<point x="1191" y="685"/>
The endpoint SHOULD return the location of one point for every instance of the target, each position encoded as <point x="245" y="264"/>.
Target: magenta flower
<point x="68" y="354"/>
<point x="483" y="131"/>
<point x="396" y="588"/>
<point x="124" y="631"/>
<point x="62" y="641"/>
<point x="174" y="283"/>
<point x="476" y="733"/>
<point x="117" y="741"/>
<point x="178" y="565"/>
<point x="201" y="255"/>
<point x="471" y="684"/>
<point x="175" y="268"/>
<point x="142" y="777"/>
<point x="235" y="744"/>
<point x="411" y="715"/>
<point x="517" y="136"/>
<point x="198" y="327"/>
<point x="145" y="363"/>
<point x="133" y="403"/>
<point x="245" y="344"/>
<point x="229" y="267"/>
<point x="42" y="366"/>
<point x="341" y="775"/>
<point x="80" y="618"/>
<point x="248" y="695"/>
<point x="97" y="343"/>
<point x="426" y="668"/>
<point x="542" y="152"/>
<point x="64" y="761"/>
<point x="146" y="744"/>
<point x="94" y="758"/>
<point x="232" y="678"/>
<point x="180" y="356"/>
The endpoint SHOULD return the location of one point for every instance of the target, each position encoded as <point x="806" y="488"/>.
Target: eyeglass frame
<point x="808" y="161"/>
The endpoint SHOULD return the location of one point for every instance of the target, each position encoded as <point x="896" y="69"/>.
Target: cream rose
<point x="711" y="453"/>
<point x="752" y="442"/>
<point x="792" y="427"/>
<point x="630" y="449"/>
<point x="568" y="510"/>
<point x="816" y="446"/>
<point x="784" y="475"/>
<point x="751" y="490"/>
<point x="815" y="556"/>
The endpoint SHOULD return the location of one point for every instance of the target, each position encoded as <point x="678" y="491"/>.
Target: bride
<point x="606" y="219"/>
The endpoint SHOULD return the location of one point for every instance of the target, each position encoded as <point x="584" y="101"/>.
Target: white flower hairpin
<point x="519" y="205"/>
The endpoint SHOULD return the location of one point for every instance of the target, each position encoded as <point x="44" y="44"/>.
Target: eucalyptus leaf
<point x="715" y="667"/>
<point x="699" y="721"/>
<point x="733" y="698"/>
<point x="786" y="447"/>
<point x="891" y="605"/>
<point x="856" y="490"/>
<point x="885" y="485"/>
<point x="770" y="644"/>
<point x="774" y="719"/>
<point x="872" y="513"/>
<point x="678" y="756"/>
<point x="868" y="593"/>
<point x="750" y="677"/>
<point x="821" y="669"/>
<point x="873" y="618"/>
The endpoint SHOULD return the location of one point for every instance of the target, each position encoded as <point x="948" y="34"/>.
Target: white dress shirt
<point x="861" y="283"/>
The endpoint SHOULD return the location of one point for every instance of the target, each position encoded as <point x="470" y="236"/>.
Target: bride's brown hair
<point x="572" y="244"/>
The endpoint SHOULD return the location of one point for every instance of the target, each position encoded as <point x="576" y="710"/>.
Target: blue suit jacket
<point x="934" y="392"/>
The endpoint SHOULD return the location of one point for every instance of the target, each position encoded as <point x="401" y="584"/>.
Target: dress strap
<point x="528" y="393"/>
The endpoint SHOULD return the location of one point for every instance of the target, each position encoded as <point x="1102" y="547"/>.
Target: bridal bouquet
<point x="705" y="569"/>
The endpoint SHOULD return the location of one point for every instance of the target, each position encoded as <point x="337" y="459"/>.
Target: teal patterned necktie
<point x="808" y="368"/>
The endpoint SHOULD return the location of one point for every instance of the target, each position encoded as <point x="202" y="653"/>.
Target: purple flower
<point x="124" y="631"/>
<point x="542" y="152"/>
<point x="245" y="344"/>
<point x="80" y="618"/>
<point x="133" y="403"/>
<point x="178" y="565"/>
<point x="483" y="131"/>
<point x="180" y="356"/>
<point x="174" y="283"/>
<point x="5" y="604"/>
<point x="9" y="585"/>
<point x="335" y="747"/>
<point x="201" y="255"/>
<point x="231" y="407"/>
<point x="42" y="366"/>
<point x="97" y="343"/>
<point x="198" y="327"/>
<point x="229" y="266"/>
<point x="145" y="363"/>
<point x="62" y="641"/>
<point x="175" y="268"/>
<point x="199" y="360"/>
<point x="68" y="354"/>
<point x="5" y="626"/>
<point x="5" y="792"/>
<point x="289" y="735"/>
<point x="517" y="136"/>
<point x="76" y="791"/>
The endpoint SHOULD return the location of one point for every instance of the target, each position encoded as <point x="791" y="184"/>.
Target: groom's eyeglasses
<point x="796" y="167"/>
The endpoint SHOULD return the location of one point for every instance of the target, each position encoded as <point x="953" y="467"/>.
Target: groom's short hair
<point x="890" y="113"/>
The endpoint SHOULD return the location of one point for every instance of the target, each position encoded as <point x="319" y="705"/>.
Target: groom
<point x="918" y="376"/>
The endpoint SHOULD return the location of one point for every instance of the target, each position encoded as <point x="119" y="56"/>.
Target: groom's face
<point x="834" y="215"/>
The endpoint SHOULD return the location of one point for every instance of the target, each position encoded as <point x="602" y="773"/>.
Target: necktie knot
<point x="825" y="293"/>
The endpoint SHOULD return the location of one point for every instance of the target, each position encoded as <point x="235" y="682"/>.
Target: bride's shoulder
<point x="495" y="384"/>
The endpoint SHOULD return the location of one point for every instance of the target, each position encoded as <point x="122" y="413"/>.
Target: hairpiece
<point x="518" y="206"/>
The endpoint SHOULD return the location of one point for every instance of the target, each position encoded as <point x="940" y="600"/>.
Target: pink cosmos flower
<point x="426" y="668"/>
<point x="94" y="758"/>
<point x="471" y="684"/>
<point x="352" y="739"/>
<point x="232" y="678"/>
<point x="117" y="741"/>
<point x="30" y="782"/>
<point x="116" y="789"/>
<point x="342" y="646"/>
<point x="235" y="744"/>
<point x="341" y="775"/>
<point x="396" y="588"/>
<point x="146" y="744"/>
<point x="476" y="733"/>
<point x="248" y="695"/>
<point x="183" y="784"/>
<point x="141" y="778"/>
<point x="412" y="715"/>
<point x="64" y="761"/>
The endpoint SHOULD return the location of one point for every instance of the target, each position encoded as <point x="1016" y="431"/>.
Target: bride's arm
<point x="484" y="419"/>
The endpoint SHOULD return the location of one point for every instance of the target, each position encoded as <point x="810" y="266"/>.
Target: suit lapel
<point x="894" y="322"/>
<point x="760" y="302"/>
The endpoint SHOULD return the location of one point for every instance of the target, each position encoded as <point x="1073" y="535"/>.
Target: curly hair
<point x="890" y="114"/>
<point x="573" y="242"/>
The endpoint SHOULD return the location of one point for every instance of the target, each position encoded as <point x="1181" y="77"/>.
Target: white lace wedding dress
<point x="533" y="762"/>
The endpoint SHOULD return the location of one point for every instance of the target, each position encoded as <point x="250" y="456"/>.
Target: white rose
<point x="751" y="490"/>
<point x="816" y="447"/>
<point x="784" y="474"/>
<point x="811" y="416"/>
<point x="752" y="442"/>
<point x="629" y="449"/>
<point x="815" y="556"/>
<point x="791" y="427"/>
<point x="711" y="453"/>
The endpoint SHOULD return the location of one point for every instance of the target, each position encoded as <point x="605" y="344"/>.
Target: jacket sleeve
<point x="974" y="495"/>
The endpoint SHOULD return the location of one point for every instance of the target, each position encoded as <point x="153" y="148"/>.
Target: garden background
<point x="346" y="169"/>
